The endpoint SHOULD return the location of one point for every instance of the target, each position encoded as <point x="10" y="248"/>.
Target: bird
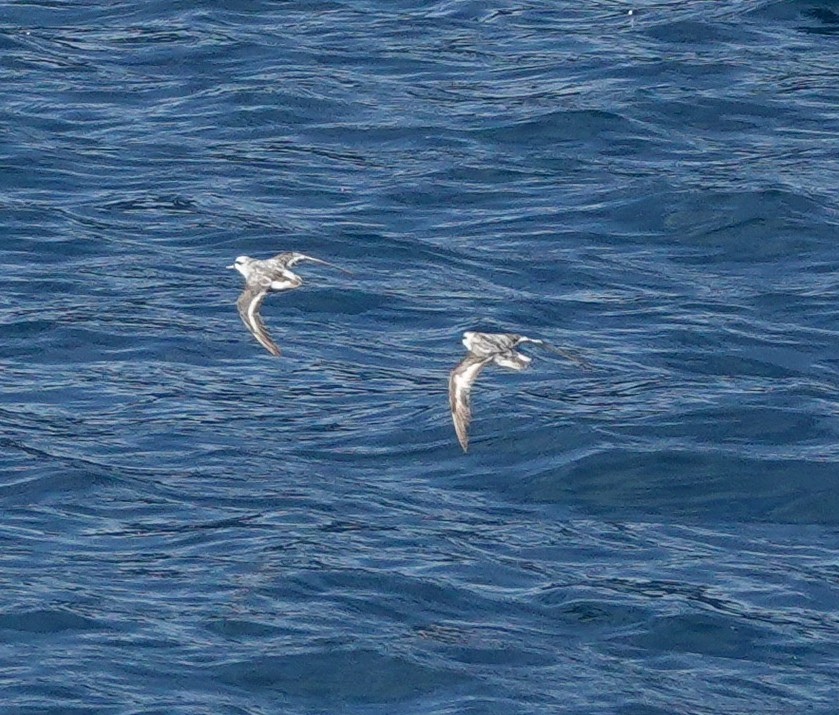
<point x="262" y="277"/>
<point x="483" y="349"/>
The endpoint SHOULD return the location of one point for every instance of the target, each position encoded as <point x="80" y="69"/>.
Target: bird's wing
<point x="486" y="344"/>
<point x="512" y="359"/>
<point x="248" y="304"/>
<point x="277" y="274"/>
<point x="567" y="354"/>
<point x="292" y="258"/>
<point x="460" y="384"/>
<point x="289" y="259"/>
<point x="505" y="341"/>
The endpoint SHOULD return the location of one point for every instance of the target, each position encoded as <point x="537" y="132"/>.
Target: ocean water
<point x="190" y="525"/>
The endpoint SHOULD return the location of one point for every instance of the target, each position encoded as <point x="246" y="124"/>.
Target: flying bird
<point x="261" y="278"/>
<point x="483" y="349"/>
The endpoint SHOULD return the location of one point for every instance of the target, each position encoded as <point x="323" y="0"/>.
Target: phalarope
<point x="261" y="278"/>
<point x="485" y="348"/>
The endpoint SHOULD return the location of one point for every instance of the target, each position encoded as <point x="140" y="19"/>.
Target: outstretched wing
<point x="460" y="385"/>
<point x="286" y="259"/>
<point x="568" y="355"/>
<point x="248" y="304"/>
<point x="289" y="259"/>
<point x="512" y="359"/>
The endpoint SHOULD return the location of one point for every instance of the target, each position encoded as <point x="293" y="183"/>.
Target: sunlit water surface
<point x="193" y="526"/>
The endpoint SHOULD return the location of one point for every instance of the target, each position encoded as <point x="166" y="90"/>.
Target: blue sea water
<point x="190" y="525"/>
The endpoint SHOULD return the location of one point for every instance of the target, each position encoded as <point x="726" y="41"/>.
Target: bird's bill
<point x="232" y="265"/>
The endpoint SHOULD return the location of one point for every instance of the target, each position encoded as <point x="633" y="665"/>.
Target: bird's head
<point x="241" y="264"/>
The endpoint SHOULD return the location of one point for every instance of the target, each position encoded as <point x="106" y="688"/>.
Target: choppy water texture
<point x="192" y="526"/>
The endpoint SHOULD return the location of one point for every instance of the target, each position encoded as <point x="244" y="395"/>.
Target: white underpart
<point x="252" y="311"/>
<point x="464" y="380"/>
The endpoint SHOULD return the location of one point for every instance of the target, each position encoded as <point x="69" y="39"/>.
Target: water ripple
<point x="194" y="526"/>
